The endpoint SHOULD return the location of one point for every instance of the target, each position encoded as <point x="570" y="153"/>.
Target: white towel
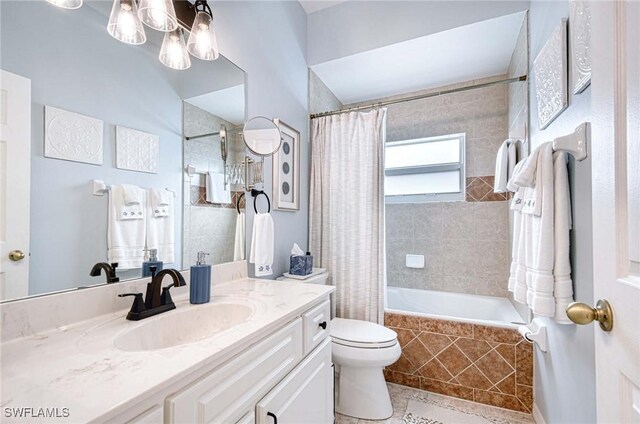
<point x="160" y="226"/>
<point x="160" y="202"/>
<point x="506" y="160"/>
<point x="540" y="272"/>
<point x="239" y="242"/>
<point x="262" y="244"/>
<point x="126" y="235"/>
<point x="216" y="190"/>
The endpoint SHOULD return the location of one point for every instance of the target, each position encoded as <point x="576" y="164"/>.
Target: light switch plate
<point x="415" y="261"/>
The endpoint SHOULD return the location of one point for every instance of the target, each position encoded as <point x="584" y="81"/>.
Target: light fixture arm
<point x="203" y="6"/>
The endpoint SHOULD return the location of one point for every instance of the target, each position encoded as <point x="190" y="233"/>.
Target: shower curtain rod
<point x="202" y="135"/>
<point x="421" y="96"/>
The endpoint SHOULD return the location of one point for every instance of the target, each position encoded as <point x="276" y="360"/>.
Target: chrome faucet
<point x="109" y="271"/>
<point x="155" y="302"/>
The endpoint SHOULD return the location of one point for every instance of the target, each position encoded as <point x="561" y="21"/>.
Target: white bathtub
<point x="470" y="308"/>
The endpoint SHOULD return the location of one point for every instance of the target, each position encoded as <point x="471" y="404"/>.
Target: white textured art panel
<point x="550" y="69"/>
<point x="580" y="28"/>
<point x="136" y="150"/>
<point x="71" y="136"/>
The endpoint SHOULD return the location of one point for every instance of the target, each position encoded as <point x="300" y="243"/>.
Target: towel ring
<point x="238" y="202"/>
<point x="255" y="193"/>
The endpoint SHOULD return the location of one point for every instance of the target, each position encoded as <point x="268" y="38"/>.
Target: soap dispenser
<point x="200" y="287"/>
<point x="152" y="261"/>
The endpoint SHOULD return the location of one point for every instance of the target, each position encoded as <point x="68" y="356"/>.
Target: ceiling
<point x="311" y="6"/>
<point x="461" y="54"/>
<point x="228" y="104"/>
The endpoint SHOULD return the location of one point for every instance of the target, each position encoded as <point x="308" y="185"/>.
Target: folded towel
<point x="132" y="194"/>
<point x="540" y="272"/>
<point x="126" y="234"/>
<point x="160" y="202"/>
<point x="160" y="226"/>
<point x="216" y="190"/>
<point x="505" y="164"/>
<point x="239" y="241"/>
<point x="262" y="244"/>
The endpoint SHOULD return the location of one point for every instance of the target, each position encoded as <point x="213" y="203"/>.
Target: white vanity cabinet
<point x="278" y="375"/>
<point x="303" y="396"/>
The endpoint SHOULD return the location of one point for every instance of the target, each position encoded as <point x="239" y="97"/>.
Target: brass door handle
<point x="583" y="314"/>
<point x="16" y="255"/>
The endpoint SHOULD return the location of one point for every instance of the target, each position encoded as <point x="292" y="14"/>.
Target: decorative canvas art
<point x="550" y="70"/>
<point x="71" y="136"/>
<point x="286" y="170"/>
<point x="136" y="150"/>
<point x="580" y="38"/>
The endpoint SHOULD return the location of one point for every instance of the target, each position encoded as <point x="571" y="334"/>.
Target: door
<point x="615" y="154"/>
<point x="305" y="396"/>
<point x="15" y="152"/>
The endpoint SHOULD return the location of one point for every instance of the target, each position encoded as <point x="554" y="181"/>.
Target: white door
<point x="15" y="152"/>
<point x="305" y="396"/>
<point x="615" y="155"/>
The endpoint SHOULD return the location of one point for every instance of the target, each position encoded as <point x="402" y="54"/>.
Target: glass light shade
<point x="158" y="14"/>
<point x="67" y="4"/>
<point x="124" y="24"/>
<point x="174" y="51"/>
<point x="202" y="40"/>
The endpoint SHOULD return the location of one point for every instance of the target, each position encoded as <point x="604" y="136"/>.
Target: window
<point x="425" y="169"/>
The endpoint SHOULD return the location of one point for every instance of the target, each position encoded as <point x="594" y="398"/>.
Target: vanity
<point x="259" y="352"/>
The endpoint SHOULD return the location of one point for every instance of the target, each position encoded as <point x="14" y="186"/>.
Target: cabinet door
<point x="229" y="392"/>
<point x="305" y="396"/>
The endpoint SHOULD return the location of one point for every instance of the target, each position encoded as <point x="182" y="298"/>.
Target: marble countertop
<point x="79" y="367"/>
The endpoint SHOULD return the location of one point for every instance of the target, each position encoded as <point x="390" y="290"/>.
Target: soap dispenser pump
<point x="200" y="287"/>
<point x="152" y="261"/>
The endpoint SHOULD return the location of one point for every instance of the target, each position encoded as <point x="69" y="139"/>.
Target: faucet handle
<point x="113" y="278"/>
<point x="138" y="302"/>
<point x="165" y="298"/>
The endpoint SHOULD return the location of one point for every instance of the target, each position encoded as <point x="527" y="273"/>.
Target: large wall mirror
<point x="112" y="113"/>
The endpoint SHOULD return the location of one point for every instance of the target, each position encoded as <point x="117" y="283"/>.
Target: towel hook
<point x="255" y="193"/>
<point x="238" y="202"/>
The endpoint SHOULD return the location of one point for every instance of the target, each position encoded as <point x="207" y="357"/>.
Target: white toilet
<point x="360" y="351"/>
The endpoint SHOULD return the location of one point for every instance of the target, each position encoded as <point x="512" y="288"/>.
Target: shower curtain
<point x="346" y="218"/>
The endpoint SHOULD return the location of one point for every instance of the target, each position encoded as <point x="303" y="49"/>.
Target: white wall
<point x="268" y="40"/>
<point x="565" y="376"/>
<point x="357" y="26"/>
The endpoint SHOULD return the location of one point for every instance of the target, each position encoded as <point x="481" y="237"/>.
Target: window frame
<point x="425" y="169"/>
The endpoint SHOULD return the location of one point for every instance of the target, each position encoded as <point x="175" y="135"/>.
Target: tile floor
<point x="401" y="395"/>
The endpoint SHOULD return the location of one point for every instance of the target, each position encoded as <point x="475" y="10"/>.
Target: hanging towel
<point x="126" y="233"/>
<point x="540" y="272"/>
<point x="160" y="226"/>
<point x="238" y="249"/>
<point x="216" y="191"/>
<point x="262" y="244"/>
<point x="160" y="202"/>
<point x="506" y="160"/>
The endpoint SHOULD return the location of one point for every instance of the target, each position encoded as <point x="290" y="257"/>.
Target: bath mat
<point x="422" y="410"/>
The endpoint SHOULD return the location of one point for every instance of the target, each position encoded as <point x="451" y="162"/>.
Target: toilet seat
<point x="361" y="334"/>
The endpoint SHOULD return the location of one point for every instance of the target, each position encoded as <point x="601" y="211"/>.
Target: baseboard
<point x="537" y="415"/>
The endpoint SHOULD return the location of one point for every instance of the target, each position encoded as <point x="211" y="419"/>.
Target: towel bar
<point x="99" y="188"/>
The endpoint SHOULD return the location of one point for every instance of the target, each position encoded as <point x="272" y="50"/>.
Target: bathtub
<point x="469" y="308"/>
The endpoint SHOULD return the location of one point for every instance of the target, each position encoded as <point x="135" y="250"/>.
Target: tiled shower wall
<point x="207" y="227"/>
<point x="465" y="243"/>
<point x="475" y="362"/>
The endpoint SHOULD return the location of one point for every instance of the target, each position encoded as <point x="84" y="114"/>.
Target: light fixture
<point x="174" y="52"/>
<point x="67" y="4"/>
<point x="124" y="24"/>
<point x="158" y="14"/>
<point x="202" y="40"/>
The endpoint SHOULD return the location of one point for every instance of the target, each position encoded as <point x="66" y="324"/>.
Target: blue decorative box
<point x="301" y="265"/>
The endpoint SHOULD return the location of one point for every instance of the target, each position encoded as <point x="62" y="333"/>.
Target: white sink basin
<point x="184" y="325"/>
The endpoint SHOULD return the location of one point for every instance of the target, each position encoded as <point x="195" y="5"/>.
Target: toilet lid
<point x="353" y="332"/>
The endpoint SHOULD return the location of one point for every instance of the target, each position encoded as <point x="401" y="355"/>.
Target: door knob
<point x="583" y="314"/>
<point x="16" y="255"/>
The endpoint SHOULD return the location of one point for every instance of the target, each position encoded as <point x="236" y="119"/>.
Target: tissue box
<point x="300" y="265"/>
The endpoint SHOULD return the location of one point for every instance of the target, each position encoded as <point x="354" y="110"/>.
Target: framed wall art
<point x="580" y="37"/>
<point x="286" y="170"/>
<point x="550" y="70"/>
